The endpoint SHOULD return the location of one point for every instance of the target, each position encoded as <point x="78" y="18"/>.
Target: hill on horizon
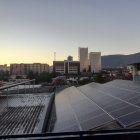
<point x="119" y="60"/>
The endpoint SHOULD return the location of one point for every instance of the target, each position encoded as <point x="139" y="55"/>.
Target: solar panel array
<point x="94" y="105"/>
<point x="77" y="112"/>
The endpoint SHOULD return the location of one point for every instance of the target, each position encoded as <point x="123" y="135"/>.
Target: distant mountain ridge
<point x="119" y="60"/>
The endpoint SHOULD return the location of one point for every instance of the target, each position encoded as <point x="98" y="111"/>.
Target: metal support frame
<point x="29" y="88"/>
<point x="24" y="88"/>
<point x="15" y="85"/>
<point x="121" y="134"/>
<point x="7" y="96"/>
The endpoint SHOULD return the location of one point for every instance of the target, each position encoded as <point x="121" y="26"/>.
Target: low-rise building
<point x="66" y="67"/>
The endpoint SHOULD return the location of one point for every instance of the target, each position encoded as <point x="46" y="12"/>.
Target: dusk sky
<point x="32" y="30"/>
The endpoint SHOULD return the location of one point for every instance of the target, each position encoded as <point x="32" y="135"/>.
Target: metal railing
<point x="7" y="87"/>
<point x="121" y="134"/>
<point x="17" y="84"/>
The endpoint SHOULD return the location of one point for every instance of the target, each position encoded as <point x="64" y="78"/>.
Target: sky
<point x="32" y="30"/>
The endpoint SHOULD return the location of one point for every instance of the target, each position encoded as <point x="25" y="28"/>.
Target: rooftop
<point x="98" y="106"/>
<point x="23" y="113"/>
<point x="110" y="109"/>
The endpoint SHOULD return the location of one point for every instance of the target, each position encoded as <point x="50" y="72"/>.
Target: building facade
<point x="95" y="61"/>
<point x="24" y="69"/>
<point x="89" y="62"/>
<point x="66" y="67"/>
<point x="83" y="58"/>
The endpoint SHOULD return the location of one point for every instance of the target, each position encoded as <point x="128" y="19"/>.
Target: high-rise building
<point x="83" y="58"/>
<point x="95" y="61"/>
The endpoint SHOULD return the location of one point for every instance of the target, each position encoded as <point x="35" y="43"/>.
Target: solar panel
<point x="86" y="104"/>
<point x="66" y="128"/>
<point x="125" y="84"/>
<point x="138" y="104"/>
<point x="94" y="105"/>
<point x="64" y="115"/>
<point x="134" y="99"/>
<point x="115" y="102"/>
<point x="89" y="115"/>
<point x="131" y="118"/>
<point x="124" y="111"/>
<point x="114" y="107"/>
<point x="95" y="122"/>
<point x="80" y="108"/>
<point x="106" y="101"/>
<point x="128" y="96"/>
<point x="70" y="129"/>
<point x="121" y="94"/>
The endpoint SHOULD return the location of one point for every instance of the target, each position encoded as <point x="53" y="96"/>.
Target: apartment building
<point x="24" y="69"/>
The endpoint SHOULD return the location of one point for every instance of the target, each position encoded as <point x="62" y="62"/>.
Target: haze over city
<point x="32" y="30"/>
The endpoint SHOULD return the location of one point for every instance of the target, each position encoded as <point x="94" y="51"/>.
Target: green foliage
<point x="84" y="81"/>
<point x="60" y="80"/>
<point x="45" y="77"/>
<point x="89" y="69"/>
<point x="4" y="75"/>
<point x="84" y="70"/>
<point x="42" y="77"/>
<point x="101" y="78"/>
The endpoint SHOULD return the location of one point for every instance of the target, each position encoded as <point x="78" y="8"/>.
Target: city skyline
<point x="31" y="31"/>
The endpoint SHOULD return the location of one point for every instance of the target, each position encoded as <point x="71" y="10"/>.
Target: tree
<point x="32" y="75"/>
<point x="45" y="77"/>
<point x="41" y="78"/>
<point x="102" y="78"/>
<point x="4" y="75"/>
<point x="84" y="70"/>
<point x="89" y="69"/>
<point x="60" y="80"/>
